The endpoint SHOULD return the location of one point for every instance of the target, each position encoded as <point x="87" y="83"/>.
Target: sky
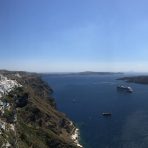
<point x="74" y="35"/>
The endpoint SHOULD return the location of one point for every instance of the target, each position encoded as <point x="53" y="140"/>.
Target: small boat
<point x="106" y="114"/>
<point x="124" y="88"/>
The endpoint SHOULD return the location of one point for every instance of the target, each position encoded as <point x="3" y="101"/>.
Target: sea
<point x="83" y="98"/>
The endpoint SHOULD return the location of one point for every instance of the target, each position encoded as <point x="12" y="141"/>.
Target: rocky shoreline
<point x="75" y="136"/>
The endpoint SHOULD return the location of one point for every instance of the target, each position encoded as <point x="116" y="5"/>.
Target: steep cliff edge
<point x="28" y="115"/>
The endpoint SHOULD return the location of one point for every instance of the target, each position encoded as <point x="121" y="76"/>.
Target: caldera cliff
<point x="28" y="114"/>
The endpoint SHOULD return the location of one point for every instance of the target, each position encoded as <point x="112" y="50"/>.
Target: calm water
<point x="84" y="98"/>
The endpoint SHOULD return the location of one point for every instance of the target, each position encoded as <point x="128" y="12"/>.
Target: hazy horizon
<point x="73" y="36"/>
<point x="75" y="72"/>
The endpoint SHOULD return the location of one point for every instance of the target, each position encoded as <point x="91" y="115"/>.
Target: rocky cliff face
<point x="28" y="115"/>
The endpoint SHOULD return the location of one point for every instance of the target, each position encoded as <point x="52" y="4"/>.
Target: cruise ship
<point x="125" y="88"/>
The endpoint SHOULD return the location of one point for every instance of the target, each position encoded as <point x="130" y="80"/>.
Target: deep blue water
<point x="84" y="98"/>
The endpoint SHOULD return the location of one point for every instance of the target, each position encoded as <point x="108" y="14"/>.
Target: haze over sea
<point x="78" y="35"/>
<point x="84" y="97"/>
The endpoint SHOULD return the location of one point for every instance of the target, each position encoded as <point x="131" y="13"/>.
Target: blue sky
<point x="74" y="35"/>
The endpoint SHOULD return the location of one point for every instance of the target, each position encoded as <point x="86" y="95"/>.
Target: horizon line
<point x="85" y="71"/>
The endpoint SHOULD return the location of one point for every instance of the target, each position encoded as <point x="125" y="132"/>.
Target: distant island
<point x="98" y="73"/>
<point x="136" y="79"/>
<point x="86" y="73"/>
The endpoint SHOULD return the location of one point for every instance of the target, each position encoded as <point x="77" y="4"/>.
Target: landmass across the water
<point x="97" y="73"/>
<point x="135" y="79"/>
<point x="85" y="73"/>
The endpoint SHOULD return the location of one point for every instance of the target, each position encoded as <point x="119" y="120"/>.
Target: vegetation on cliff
<point x="32" y="113"/>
